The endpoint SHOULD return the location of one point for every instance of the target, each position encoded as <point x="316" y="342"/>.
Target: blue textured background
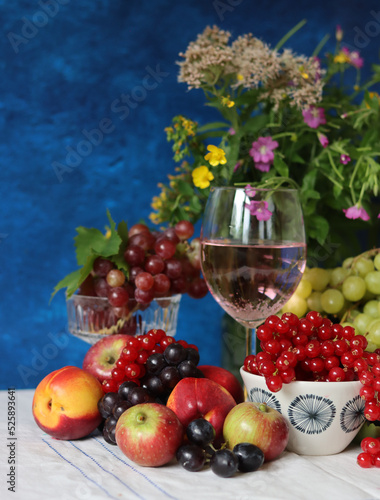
<point x="66" y="75"/>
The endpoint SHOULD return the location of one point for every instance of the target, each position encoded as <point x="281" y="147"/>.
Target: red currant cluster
<point x="313" y="348"/>
<point x="370" y="456"/>
<point x="147" y="355"/>
<point x="160" y="264"/>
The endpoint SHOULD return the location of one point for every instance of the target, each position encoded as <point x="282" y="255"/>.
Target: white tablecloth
<point x="92" y="469"/>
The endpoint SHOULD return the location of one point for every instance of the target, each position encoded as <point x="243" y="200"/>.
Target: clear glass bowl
<point x="92" y="318"/>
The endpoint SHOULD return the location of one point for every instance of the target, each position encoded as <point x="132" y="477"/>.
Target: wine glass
<point x="253" y="252"/>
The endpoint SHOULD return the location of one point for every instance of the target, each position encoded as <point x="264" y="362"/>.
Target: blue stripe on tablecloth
<point x="107" y="471"/>
<point x="80" y="470"/>
<point x="135" y="470"/>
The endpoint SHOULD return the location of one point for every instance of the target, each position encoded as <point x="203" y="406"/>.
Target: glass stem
<point x="248" y="341"/>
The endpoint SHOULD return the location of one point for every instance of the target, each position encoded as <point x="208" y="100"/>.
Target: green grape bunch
<point x="350" y="293"/>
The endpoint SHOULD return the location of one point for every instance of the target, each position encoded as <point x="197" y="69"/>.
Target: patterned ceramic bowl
<point x="323" y="417"/>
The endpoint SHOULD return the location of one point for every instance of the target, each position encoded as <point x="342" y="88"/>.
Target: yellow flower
<point x="169" y="130"/>
<point x="215" y="156"/>
<point x="188" y="125"/>
<point x="239" y="77"/>
<point x="108" y="233"/>
<point x="372" y="95"/>
<point x="341" y="57"/>
<point x="202" y="177"/>
<point x="226" y="102"/>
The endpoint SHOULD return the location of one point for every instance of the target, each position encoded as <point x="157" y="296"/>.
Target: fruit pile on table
<point x="148" y="394"/>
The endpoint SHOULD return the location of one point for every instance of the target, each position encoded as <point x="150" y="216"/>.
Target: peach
<point x="65" y="403"/>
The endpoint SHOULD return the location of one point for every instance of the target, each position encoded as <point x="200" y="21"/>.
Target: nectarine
<point x="65" y="403"/>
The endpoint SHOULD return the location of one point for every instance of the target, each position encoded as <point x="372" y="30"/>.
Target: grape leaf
<point x="91" y="240"/>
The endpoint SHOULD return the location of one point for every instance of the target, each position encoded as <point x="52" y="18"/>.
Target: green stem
<point x="320" y="45"/>
<point x="334" y="166"/>
<point x="290" y="33"/>
<point x="331" y="179"/>
<point x="355" y="171"/>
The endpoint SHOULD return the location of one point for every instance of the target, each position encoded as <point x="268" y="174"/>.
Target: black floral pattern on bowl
<point x="258" y="395"/>
<point x="352" y="414"/>
<point x="311" y="414"/>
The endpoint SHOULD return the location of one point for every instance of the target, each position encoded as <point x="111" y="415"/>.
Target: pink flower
<point x="262" y="150"/>
<point x="323" y="140"/>
<point x="259" y="209"/>
<point x="356" y="212"/>
<point x="249" y="191"/>
<point x="263" y="167"/>
<point x="314" y="116"/>
<point x="378" y="216"/>
<point x="231" y="131"/>
<point x="353" y="57"/>
<point x="238" y="165"/>
<point x="344" y="159"/>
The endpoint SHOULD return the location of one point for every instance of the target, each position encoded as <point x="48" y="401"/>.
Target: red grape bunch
<point x="160" y="264"/>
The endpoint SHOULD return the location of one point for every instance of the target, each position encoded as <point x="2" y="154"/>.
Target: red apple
<point x="149" y="434"/>
<point x="225" y="378"/>
<point x="65" y="403"/>
<point x="258" y="424"/>
<point x="195" y="398"/>
<point x="101" y="357"/>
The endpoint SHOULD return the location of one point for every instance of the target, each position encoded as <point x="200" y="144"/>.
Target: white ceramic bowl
<point x="323" y="417"/>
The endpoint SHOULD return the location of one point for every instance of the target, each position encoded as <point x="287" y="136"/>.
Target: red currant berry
<point x="325" y="333"/>
<point x="167" y="340"/>
<point x="317" y="365"/>
<point x="251" y="358"/>
<point x="274" y="383"/>
<point x="366" y="377"/>
<point x="291" y="319"/>
<point x="347" y="359"/>
<point x="370" y="445"/>
<point x="340" y="346"/>
<point x="264" y="333"/>
<point x="364" y="460"/>
<point x="129" y="354"/>
<point x="109" y="385"/>
<point x="315" y="318"/>
<point x="331" y="362"/>
<point x="336" y="374"/>
<point x="291" y="358"/>
<point x="300" y="339"/>
<point x="272" y="346"/>
<point x="305" y="326"/>
<point x="367" y="392"/>
<point x="327" y="348"/>
<point x="272" y="321"/>
<point x="348" y="332"/>
<point x="313" y="348"/>
<point x="133" y="371"/>
<point x="288" y="375"/>
<point x="266" y="368"/>
<point x="360" y="365"/>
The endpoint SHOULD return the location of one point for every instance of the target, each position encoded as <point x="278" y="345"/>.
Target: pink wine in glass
<point x="250" y="282"/>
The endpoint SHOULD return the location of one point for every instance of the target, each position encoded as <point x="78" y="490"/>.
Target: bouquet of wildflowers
<point x="284" y="120"/>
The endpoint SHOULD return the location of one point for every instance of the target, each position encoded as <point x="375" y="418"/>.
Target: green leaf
<point x="255" y="123"/>
<point x="317" y="227"/>
<point x="184" y="188"/>
<point x="280" y="166"/>
<point x="212" y="126"/>
<point x="70" y="282"/>
<point x="91" y="240"/>
<point x="122" y="231"/>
